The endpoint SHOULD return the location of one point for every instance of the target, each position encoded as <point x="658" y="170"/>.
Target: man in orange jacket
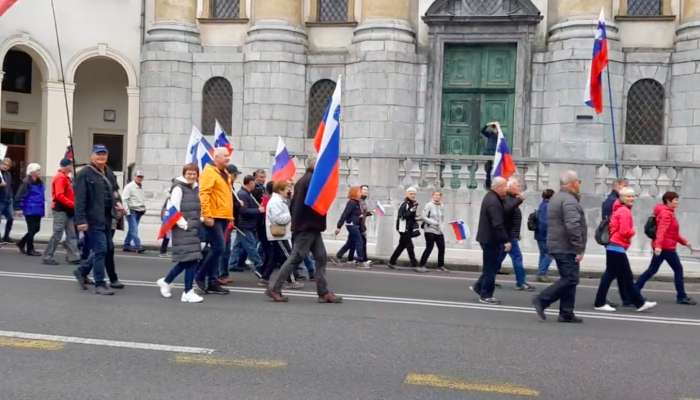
<point x="63" y="209"/>
<point x="216" y="199"/>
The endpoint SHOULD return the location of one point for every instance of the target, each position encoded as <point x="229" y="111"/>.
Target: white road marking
<point x="108" y="343"/>
<point x="641" y="317"/>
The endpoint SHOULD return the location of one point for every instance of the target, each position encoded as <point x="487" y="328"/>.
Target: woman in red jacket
<point x="667" y="238"/>
<point x="616" y="262"/>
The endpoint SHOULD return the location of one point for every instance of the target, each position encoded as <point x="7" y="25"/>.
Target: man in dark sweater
<point x="247" y="224"/>
<point x="307" y="226"/>
<point x="513" y="219"/>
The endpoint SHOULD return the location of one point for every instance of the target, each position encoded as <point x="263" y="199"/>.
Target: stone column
<point x="175" y="21"/>
<point x="54" y="135"/>
<point x="689" y="29"/>
<point x="274" y="97"/>
<point x="132" y="134"/>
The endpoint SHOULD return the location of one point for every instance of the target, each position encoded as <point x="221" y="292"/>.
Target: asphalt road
<point x="397" y="336"/>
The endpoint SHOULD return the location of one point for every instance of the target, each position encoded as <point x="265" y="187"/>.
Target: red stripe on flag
<point x="330" y="189"/>
<point x="5" y="5"/>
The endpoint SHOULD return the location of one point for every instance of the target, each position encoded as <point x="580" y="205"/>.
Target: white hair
<point x="411" y="190"/>
<point x="498" y="181"/>
<point x="627" y="191"/>
<point x="512" y="182"/>
<point x="221" y="151"/>
<point x="567" y="177"/>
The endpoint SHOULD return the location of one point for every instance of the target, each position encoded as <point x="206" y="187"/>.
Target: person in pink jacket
<point x="668" y="236"/>
<point x="616" y="262"/>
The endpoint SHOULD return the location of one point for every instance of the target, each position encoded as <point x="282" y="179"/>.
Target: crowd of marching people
<point x="213" y="228"/>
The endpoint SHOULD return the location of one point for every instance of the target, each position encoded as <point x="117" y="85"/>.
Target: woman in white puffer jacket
<point x="278" y="229"/>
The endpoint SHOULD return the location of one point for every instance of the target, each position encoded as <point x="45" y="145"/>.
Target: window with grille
<point x="319" y="96"/>
<point x="644" y="8"/>
<point x="217" y="104"/>
<point x="225" y="9"/>
<point x="645" y="113"/>
<point x="332" y="10"/>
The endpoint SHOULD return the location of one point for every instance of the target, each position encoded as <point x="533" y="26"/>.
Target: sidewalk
<point x="458" y="259"/>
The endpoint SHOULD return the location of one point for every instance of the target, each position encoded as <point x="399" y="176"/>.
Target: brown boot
<point x="330" y="297"/>
<point x="276" y="297"/>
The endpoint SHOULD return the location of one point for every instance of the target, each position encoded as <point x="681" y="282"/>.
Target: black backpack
<point x="650" y="227"/>
<point x="602" y="232"/>
<point x="532" y="221"/>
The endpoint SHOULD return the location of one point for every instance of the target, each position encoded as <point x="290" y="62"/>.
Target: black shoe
<point x="490" y="300"/>
<point x="497" y="285"/>
<point x="20" y="246"/>
<point x="391" y="266"/>
<point x="74" y="262"/>
<point x="102" y="290"/>
<point x="127" y="249"/>
<point x="33" y="253"/>
<point x="88" y="281"/>
<point x="539" y="308"/>
<point x="80" y="279"/>
<point x="687" y="301"/>
<point x="141" y="250"/>
<point x="611" y="304"/>
<point x="215" y="288"/>
<point x="201" y="286"/>
<point x="7" y="240"/>
<point x="49" y="261"/>
<point x="570" y="320"/>
<point x="116" y="285"/>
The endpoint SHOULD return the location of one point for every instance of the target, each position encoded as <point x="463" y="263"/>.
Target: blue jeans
<point x="545" y="258"/>
<point x="98" y="240"/>
<point x="132" y="235"/>
<point x="189" y="267"/>
<point x="353" y="244"/>
<point x="310" y="265"/>
<point x="209" y="267"/>
<point x="671" y="257"/>
<point x="516" y="256"/>
<point x="247" y="241"/>
<point x="6" y="211"/>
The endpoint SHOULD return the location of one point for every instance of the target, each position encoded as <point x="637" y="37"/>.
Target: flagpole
<point x="612" y="123"/>
<point x="63" y="80"/>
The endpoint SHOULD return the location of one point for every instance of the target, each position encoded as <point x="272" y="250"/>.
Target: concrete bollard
<point x="385" y="232"/>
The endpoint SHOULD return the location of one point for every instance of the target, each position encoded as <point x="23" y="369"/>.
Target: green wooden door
<point x="478" y="87"/>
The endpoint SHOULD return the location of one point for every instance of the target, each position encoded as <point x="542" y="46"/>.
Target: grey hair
<point x="310" y="162"/>
<point x="567" y="177"/>
<point x="512" y="181"/>
<point x="221" y="151"/>
<point x="627" y="191"/>
<point x="498" y="181"/>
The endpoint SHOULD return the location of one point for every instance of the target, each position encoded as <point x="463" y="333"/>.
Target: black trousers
<point x="110" y="267"/>
<point x="278" y="252"/>
<point x="564" y="289"/>
<point x="617" y="266"/>
<point x="33" y="226"/>
<point x="486" y="283"/>
<point x="405" y="243"/>
<point x="432" y="240"/>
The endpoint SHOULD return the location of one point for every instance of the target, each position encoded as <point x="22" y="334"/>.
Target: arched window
<point x="319" y="96"/>
<point x="644" y="8"/>
<point x="645" y="113"/>
<point x="332" y="10"/>
<point x="225" y="9"/>
<point x="217" y="104"/>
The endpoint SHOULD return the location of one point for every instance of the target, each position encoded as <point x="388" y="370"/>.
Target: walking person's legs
<point x="399" y="249"/>
<point x="59" y="226"/>
<point x="302" y="245"/>
<point x="675" y="263"/>
<point x="486" y="284"/>
<point x="545" y="259"/>
<point x="516" y="256"/>
<point x="137" y="237"/>
<point x="626" y="281"/>
<point x="564" y="288"/>
<point x="429" y="244"/>
<point x="33" y="227"/>
<point x="131" y="228"/>
<point x="209" y="266"/>
<point x="606" y="278"/>
<point x="411" y="251"/>
<point x="653" y="268"/>
<point x="71" y="242"/>
<point x="440" y="242"/>
<point x="7" y="212"/>
<point x="110" y="266"/>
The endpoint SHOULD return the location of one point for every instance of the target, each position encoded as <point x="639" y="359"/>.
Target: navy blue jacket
<point x="352" y="214"/>
<point x="249" y="212"/>
<point x="607" y="207"/>
<point x="541" y="231"/>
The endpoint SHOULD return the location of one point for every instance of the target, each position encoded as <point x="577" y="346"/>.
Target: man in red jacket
<point x="63" y="208"/>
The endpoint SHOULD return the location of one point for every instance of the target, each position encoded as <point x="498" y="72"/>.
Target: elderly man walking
<point x="135" y="206"/>
<point x="6" y="197"/>
<point x="493" y="238"/>
<point x="63" y="209"/>
<point x="566" y="239"/>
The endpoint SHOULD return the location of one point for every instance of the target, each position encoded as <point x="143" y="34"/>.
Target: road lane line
<point x="230" y="362"/>
<point x="442" y="382"/>
<point x="108" y="343"/>
<point x="642" y="317"/>
<point x="30" y="344"/>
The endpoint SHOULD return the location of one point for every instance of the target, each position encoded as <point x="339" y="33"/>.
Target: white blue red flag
<point x="324" y="181"/>
<point x="379" y="210"/>
<point x="199" y="151"/>
<point x="594" y="86"/>
<point x="170" y="218"/>
<point x="503" y="164"/>
<point x="5" y="5"/>
<point x="460" y="230"/>
<point x="284" y="168"/>
<point x="220" y="138"/>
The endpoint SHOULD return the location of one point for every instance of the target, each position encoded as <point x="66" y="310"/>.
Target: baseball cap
<point x="65" y="162"/>
<point x="99" y="148"/>
<point x="139" y="173"/>
<point x="232" y="169"/>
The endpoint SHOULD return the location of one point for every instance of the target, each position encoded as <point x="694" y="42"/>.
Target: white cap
<point x="411" y="190"/>
<point x="33" y="167"/>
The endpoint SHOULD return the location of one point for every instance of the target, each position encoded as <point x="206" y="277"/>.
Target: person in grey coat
<point x="433" y="218"/>
<point x="566" y="240"/>
<point x="186" y="239"/>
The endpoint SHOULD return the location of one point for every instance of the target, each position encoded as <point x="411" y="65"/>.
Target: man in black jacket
<point x="493" y="238"/>
<point x="513" y="219"/>
<point x="307" y="226"/>
<point x="247" y="224"/>
<point x="6" y="197"/>
<point x="96" y="205"/>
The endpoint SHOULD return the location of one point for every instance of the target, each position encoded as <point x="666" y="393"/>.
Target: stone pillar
<point x="175" y="21"/>
<point x="689" y="29"/>
<point x="132" y="134"/>
<point x="274" y="97"/>
<point x="54" y="135"/>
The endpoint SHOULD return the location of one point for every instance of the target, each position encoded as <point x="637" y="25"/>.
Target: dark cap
<point x="99" y="148"/>
<point x="232" y="169"/>
<point x="65" y="162"/>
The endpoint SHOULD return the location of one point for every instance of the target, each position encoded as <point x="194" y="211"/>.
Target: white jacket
<point x="133" y="198"/>
<point x="278" y="213"/>
<point x="433" y="217"/>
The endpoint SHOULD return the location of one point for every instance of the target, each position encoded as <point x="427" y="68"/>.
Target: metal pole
<point x="63" y="80"/>
<point x="612" y="123"/>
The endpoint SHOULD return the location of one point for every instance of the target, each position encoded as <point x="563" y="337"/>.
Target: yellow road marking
<point x="230" y="362"/>
<point x="442" y="382"/>
<point x="30" y="344"/>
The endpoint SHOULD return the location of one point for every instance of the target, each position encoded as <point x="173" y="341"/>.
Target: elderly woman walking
<point x="30" y="198"/>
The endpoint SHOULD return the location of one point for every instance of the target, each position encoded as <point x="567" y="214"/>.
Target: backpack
<point x="532" y="221"/>
<point x="602" y="232"/>
<point x="650" y="227"/>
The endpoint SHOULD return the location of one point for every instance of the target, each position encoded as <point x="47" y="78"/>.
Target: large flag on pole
<point x="220" y="138"/>
<point x="594" y="86"/>
<point x="199" y="151"/>
<point x="324" y="181"/>
<point x="284" y="168"/>
<point x="5" y="5"/>
<point x="503" y="164"/>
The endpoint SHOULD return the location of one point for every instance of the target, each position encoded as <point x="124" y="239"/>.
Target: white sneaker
<point x="164" y="288"/>
<point x="648" y="305"/>
<point x="191" y="297"/>
<point x="606" y="307"/>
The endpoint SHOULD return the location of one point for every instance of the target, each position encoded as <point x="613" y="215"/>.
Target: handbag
<point x="278" y="230"/>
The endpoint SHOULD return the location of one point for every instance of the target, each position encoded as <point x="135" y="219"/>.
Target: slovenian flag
<point x="5" y="5"/>
<point x="284" y="168"/>
<point x="221" y="140"/>
<point x="199" y="151"/>
<point x="170" y="218"/>
<point x="379" y="210"/>
<point x="594" y="86"/>
<point x="324" y="181"/>
<point x="503" y="164"/>
<point x="460" y="230"/>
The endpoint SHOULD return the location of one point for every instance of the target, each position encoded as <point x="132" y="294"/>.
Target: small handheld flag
<point x="379" y="210"/>
<point x="199" y="151"/>
<point x="284" y="168"/>
<point x="460" y="230"/>
<point x="594" y="84"/>
<point x="68" y="155"/>
<point x="503" y="164"/>
<point x="170" y="218"/>
<point x="221" y="140"/>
